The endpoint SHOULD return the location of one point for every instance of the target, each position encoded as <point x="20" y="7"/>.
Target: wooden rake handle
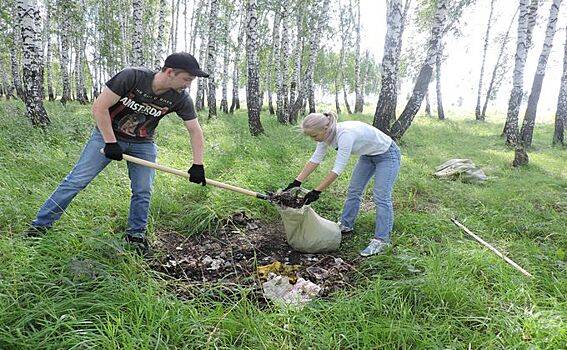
<point x="186" y="175"/>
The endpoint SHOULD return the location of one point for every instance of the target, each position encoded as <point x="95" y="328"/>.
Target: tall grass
<point x="76" y="287"/>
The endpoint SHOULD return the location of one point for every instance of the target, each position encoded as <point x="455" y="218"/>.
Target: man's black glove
<point x="295" y="183"/>
<point x="197" y="174"/>
<point x="311" y="197"/>
<point x="112" y="150"/>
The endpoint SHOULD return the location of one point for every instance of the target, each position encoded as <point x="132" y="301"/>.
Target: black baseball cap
<point x="185" y="61"/>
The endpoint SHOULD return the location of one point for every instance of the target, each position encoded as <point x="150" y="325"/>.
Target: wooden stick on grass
<point x="494" y="250"/>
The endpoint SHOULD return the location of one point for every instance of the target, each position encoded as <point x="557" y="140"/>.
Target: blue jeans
<point x="87" y="168"/>
<point x="385" y="168"/>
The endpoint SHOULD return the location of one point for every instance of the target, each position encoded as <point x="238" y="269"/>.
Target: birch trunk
<point x="235" y="104"/>
<point x="28" y="12"/>
<point x="561" y="113"/>
<point x="358" y="104"/>
<point x="283" y="95"/>
<point x="64" y="52"/>
<point x="274" y="60"/>
<point x="158" y="58"/>
<point x="137" y="57"/>
<point x="526" y="21"/>
<point x="438" y="62"/>
<point x="253" y="85"/>
<point x="386" y="108"/>
<point x="527" y="131"/>
<point x="211" y="58"/>
<point x="401" y="125"/>
<point x="296" y="76"/>
<point x="226" y="61"/>
<point x="479" y="116"/>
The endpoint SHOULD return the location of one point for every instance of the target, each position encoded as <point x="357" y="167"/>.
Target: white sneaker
<point x="345" y="230"/>
<point x="376" y="246"/>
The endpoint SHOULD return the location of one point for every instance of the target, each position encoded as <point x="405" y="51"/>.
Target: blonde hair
<point x="315" y="123"/>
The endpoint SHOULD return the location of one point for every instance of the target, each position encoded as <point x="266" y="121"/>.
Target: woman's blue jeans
<point x="87" y="168"/>
<point x="384" y="167"/>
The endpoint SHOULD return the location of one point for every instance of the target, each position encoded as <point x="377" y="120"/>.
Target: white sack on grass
<point x="462" y="169"/>
<point x="307" y="232"/>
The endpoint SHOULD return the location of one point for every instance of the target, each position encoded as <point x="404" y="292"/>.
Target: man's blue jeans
<point x="87" y="168"/>
<point x="384" y="167"/>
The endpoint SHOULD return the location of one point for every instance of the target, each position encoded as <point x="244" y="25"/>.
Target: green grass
<point x="437" y="289"/>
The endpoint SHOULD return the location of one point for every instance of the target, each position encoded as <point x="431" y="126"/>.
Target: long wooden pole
<point x="186" y="175"/>
<point x="494" y="250"/>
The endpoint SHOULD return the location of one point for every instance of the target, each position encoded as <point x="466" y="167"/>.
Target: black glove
<point x="112" y="150"/>
<point x="197" y="174"/>
<point x="311" y="197"/>
<point x="295" y="183"/>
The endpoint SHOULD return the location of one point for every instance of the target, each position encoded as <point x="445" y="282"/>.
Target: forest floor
<point x="78" y="287"/>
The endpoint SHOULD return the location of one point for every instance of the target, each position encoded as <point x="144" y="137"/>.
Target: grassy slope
<point x="464" y="295"/>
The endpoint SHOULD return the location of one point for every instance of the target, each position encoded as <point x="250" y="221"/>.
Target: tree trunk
<point x="253" y="86"/>
<point x="358" y="104"/>
<point x="137" y="37"/>
<point x="274" y="60"/>
<point x="28" y="12"/>
<point x="438" y="61"/>
<point x="527" y="131"/>
<point x="427" y="104"/>
<point x="295" y="78"/>
<point x="211" y="58"/>
<point x="491" y="86"/>
<point x="235" y="105"/>
<point x="480" y="116"/>
<point x="282" y="101"/>
<point x="386" y="107"/>
<point x="525" y="25"/>
<point x="80" y="85"/>
<point x="561" y="113"/>
<point x="64" y="51"/>
<point x="158" y="58"/>
<point x="200" y="98"/>
<point x="226" y="61"/>
<point x="401" y="125"/>
<point x="318" y="21"/>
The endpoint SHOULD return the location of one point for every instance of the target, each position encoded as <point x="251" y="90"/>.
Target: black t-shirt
<point x="137" y="114"/>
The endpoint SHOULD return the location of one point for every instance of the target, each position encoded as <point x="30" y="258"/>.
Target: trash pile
<point x="460" y="169"/>
<point x="249" y="253"/>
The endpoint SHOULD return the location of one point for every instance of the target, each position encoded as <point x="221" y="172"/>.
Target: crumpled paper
<point x="279" y="290"/>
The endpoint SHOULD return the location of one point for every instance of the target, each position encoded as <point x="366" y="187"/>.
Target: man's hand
<point x="112" y="150"/>
<point x="197" y="174"/>
<point x="295" y="183"/>
<point x="311" y="197"/>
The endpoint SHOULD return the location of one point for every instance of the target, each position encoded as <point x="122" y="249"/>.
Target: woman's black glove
<point x="311" y="197"/>
<point x="112" y="150"/>
<point x="197" y="174"/>
<point x="293" y="184"/>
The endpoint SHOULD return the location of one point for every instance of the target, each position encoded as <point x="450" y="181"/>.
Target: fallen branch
<point x="494" y="250"/>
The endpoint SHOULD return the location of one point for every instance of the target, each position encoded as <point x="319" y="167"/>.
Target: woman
<point x="379" y="157"/>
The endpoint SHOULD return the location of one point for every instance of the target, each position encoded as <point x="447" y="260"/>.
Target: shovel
<point x="186" y="175"/>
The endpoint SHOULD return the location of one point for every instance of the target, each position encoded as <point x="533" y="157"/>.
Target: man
<point x="126" y="113"/>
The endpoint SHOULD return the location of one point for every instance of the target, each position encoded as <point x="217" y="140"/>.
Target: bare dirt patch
<point x="231" y="256"/>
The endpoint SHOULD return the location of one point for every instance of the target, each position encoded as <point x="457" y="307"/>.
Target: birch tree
<point x="401" y="125"/>
<point x="358" y="104"/>
<point x="253" y="85"/>
<point x="137" y="52"/>
<point x="478" y="114"/>
<point x="235" y="104"/>
<point x="527" y="131"/>
<point x="438" y="62"/>
<point x="386" y="106"/>
<point x="526" y="22"/>
<point x="28" y="13"/>
<point x="160" y="43"/>
<point x="294" y="86"/>
<point x="274" y="60"/>
<point x="561" y="113"/>
<point x="62" y="7"/>
<point x="226" y="61"/>
<point x="211" y="58"/>
<point x="282" y="102"/>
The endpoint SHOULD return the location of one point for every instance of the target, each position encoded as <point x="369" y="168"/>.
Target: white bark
<point x="28" y="12"/>
<point x="561" y="113"/>
<point x="64" y="52"/>
<point x="253" y="63"/>
<point x="529" y="118"/>
<point x="274" y="60"/>
<point x="358" y="104"/>
<point x="283" y="96"/>
<point x="478" y="115"/>
<point x="160" y="44"/>
<point x="211" y="58"/>
<point x="137" y="58"/>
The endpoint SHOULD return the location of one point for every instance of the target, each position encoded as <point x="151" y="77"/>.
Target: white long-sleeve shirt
<point x="353" y="137"/>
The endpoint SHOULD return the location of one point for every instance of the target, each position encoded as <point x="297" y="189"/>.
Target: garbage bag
<point x="308" y="232"/>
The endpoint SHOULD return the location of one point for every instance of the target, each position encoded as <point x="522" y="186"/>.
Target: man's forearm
<point x="102" y="118"/>
<point x="197" y="145"/>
